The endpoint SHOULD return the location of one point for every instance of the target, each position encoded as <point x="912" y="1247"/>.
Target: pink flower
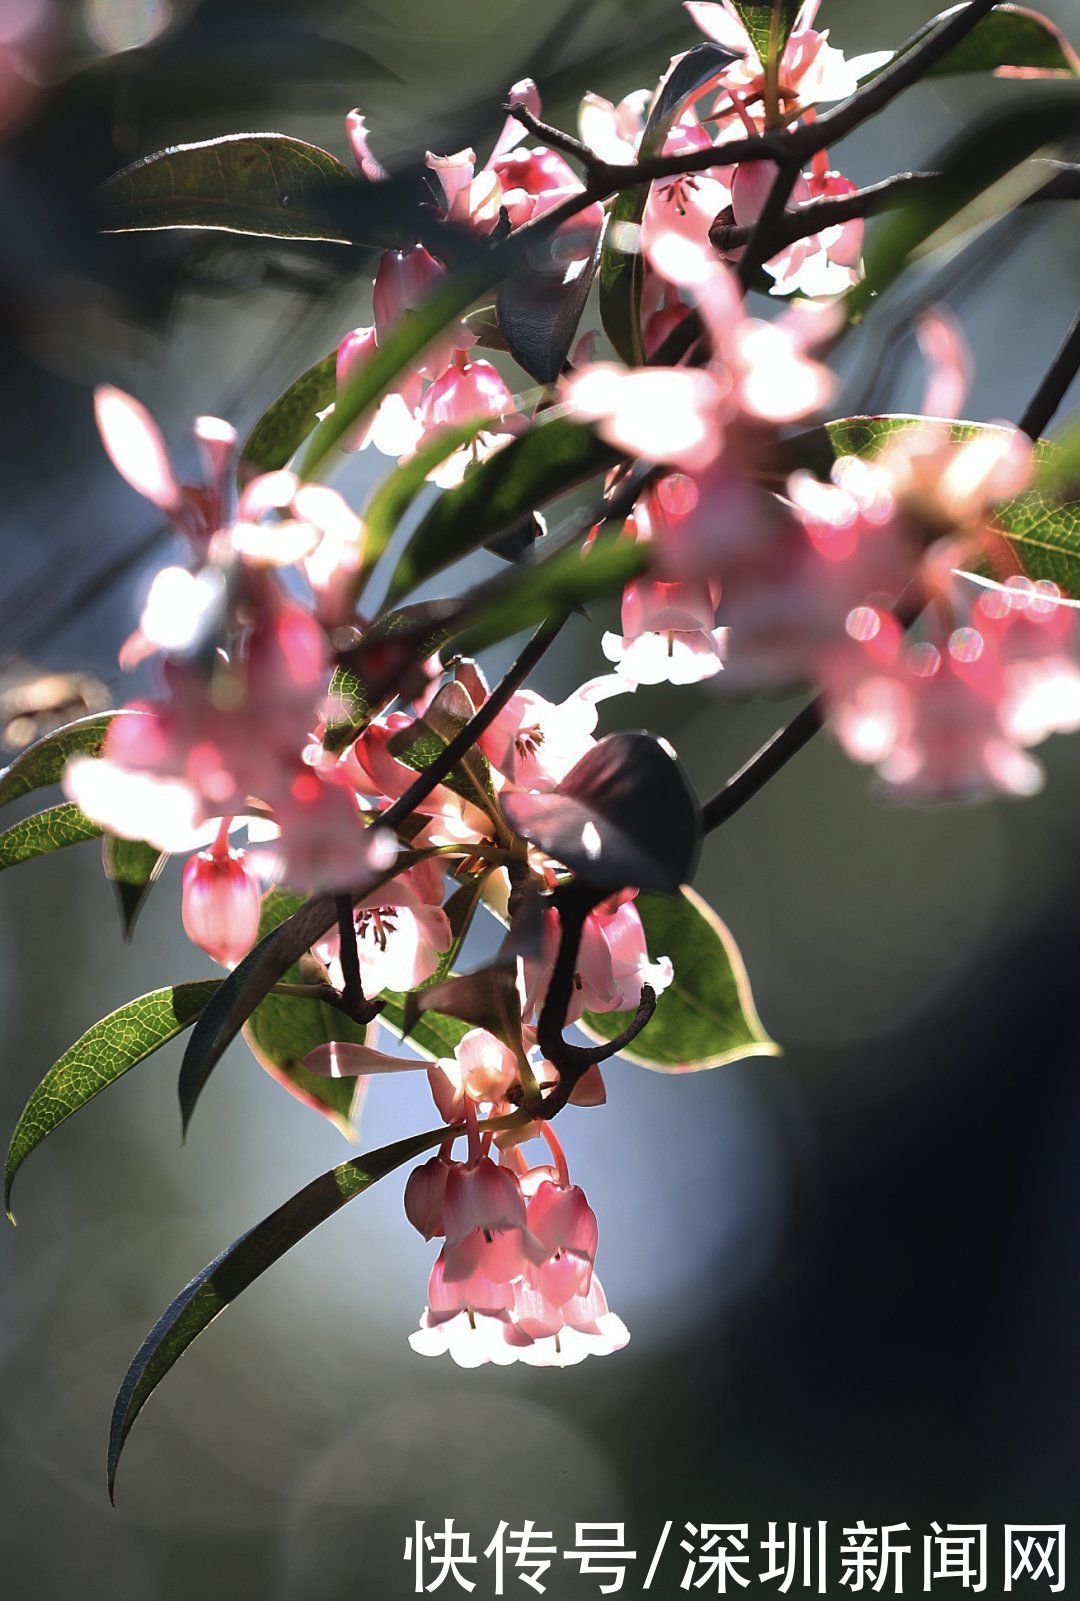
<point x="929" y="720"/>
<point x="401" y="932"/>
<point x="810" y="70"/>
<point x="425" y="1195"/>
<point x="395" y="426"/>
<point x="137" y="450"/>
<point x="221" y="903"/>
<point x="823" y="264"/>
<point x="466" y="1319"/>
<point x="467" y="392"/>
<point x="485" y="1221"/>
<point x="564" y="1223"/>
<point x="613" y="132"/>
<point x="667" y="633"/>
<point x="533" y="742"/>
<point x="613" y="961"/>
<point x="546" y="1335"/>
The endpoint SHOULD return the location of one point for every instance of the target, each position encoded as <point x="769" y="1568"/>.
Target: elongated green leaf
<point x="44" y="761"/>
<point x="399" y="489"/>
<point x="104" y="1053"/>
<point x="132" y="868"/>
<point x="621" y="270"/>
<point x="284" y="426"/>
<point x="253" y="183"/>
<point x="1011" y="41"/>
<point x="212" y="1290"/>
<point x="984" y="153"/>
<point x="563" y="581"/>
<point x="45" y="832"/>
<point x="552" y="457"/>
<point x="706" y="1017"/>
<point x="1042" y="527"/>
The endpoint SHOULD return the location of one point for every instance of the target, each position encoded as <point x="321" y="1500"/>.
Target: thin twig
<point x="554" y="137"/>
<point x="1043" y="404"/>
<point x="763" y="242"/>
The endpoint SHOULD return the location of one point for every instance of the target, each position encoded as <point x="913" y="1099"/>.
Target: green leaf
<point x="1042" y="528"/>
<point x="1012" y="41"/>
<point x="706" y="1017"/>
<point x="563" y="581"/>
<point x="44" y="761"/>
<point x="284" y="1028"/>
<point x="132" y="867"/>
<point x="252" y="183"/>
<point x="984" y="153"/>
<point x="758" y="20"/>
<point x="399" y="489"/>
<point x="103" y="1054"/>
<point x="45" y="832"/>
<point x="554" y="456"/>
<point x="284" y="426"/>
<point x="218" y="1285"/>
<point x="432" y="1037"/>
<point x="622" y="266"/>
<point x="356" y="696"/>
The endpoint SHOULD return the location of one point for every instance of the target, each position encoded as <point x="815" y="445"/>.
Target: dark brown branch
<point x="763" y="242"/>
<point x="463" y="742"/>
<point x="554" y="137"/>
<point x="1054" y="387"/>
<point x="1063" y="183"/>
<point x="768" y="761"/>
<point x="573" y="903"/>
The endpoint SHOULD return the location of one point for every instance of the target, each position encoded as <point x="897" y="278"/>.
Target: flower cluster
<point x="299" y="739"/>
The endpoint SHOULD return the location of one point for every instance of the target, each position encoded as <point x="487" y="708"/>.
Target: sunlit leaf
<point x="104" y="1053"/>
<point x="761" y="17"/>
<point x="1011" y="41"/>
<point x="285" y="1028"/>
<point x="706" y="1016"/>
<point x="45" y="832"/>
<point x="44" y="761"/>
<point x="1042" y="527"/>
<point x="211" y="1291"/>
<point x="253" y="183"/>
<point x="284" y="426"/>
<point x="132" y="867"/>
<point x="622" y="266"/>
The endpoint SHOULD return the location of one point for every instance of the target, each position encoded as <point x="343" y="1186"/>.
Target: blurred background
<point x="851" y="1274"/>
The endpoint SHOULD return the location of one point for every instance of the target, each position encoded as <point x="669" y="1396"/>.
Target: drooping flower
<point x="401" y="932"/>
<point x="221" y="902"/>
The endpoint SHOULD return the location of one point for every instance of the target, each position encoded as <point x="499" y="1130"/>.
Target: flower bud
<point x="221" y="904"/>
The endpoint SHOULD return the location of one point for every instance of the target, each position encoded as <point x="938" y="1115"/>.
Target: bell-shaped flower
<point x="467" y="392"/>
<point x="221" y="904"/>
<point x="561" y="1219"/>
<point x="546" y="1335"/>
<point x="425" y="1195"/>
<point x="394" y="427"/>
<point x="465" y="1319"/>
<point x="401" y="932"/>
<point x="668" y="633"/>
<point x="533" y="742"/>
